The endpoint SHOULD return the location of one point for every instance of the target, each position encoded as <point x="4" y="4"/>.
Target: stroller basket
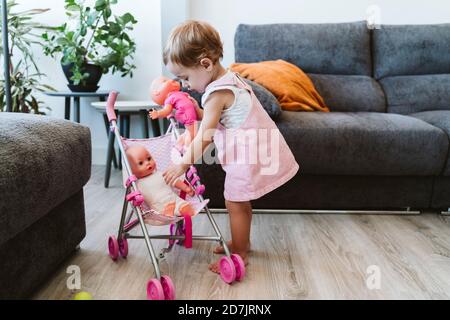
<point x="162" y="148"/>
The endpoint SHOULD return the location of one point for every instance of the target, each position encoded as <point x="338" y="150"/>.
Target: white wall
<point x="226" y="15"/>
<point x="173" y="12"/>
<point x="147" y="34"/>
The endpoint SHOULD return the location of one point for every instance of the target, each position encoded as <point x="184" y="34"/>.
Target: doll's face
<point x="161" y="87"/>
<point x="141" y="161"/>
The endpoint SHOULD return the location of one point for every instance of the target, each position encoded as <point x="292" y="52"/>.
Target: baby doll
<point x="152" y="186"/>
<point x="166" y="92"/>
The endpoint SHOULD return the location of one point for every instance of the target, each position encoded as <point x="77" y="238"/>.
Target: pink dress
<point x="254" y="156"/>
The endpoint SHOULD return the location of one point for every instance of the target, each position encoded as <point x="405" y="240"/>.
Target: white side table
<point x="124" y="109"/>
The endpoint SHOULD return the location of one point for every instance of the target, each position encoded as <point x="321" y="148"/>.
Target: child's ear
<point x="207" y="64"/>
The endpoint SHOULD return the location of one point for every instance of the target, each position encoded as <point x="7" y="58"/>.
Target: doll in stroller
<point x="153" y="187"/>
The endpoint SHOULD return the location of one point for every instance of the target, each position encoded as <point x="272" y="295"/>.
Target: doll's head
<point x="161" y="87"/>
<point x="141" y="161"/>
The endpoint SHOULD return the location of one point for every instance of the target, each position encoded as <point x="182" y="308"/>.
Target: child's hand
<point x="184" y="187"/>
<point x="194" y="102"/>
<point x="190" y="191"/>
<point x="173" y="172"/>
<point x="153" y="114"/>
<point x="197" y="108"/>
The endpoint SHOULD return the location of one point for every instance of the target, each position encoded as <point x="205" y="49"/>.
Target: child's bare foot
<point x="221" y="250"/>
<point x="214" y="267"/>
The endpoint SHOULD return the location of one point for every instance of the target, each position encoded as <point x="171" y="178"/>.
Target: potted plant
<point x="24" y="33"/>
<point x="93" y="44"/>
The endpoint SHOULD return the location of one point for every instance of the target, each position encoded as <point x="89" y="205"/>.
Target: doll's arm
<point x="183" y="187"/>
<point x="164" y="112"/>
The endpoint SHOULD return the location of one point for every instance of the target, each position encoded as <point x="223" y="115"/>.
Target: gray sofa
<point x="44" y="164"/>
<point x="385" y="145"/>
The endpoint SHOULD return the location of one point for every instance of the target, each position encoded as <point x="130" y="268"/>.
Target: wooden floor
<point x="295" y="256"/>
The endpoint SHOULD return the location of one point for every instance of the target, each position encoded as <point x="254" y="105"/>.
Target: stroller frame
<point x="232" y="268"/>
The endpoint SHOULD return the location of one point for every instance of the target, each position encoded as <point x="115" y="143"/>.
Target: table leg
<point x="67" y="109"/>
<point x="165" y="125"/>
<point x="145" y="119"/>
<point x="77" y="108"/>
<point x="109" y="154"/>
<point x="121" y="130"/>
<point x="125" y="130"/>
<point x="113" y="156"/>
<point x="127" y="126"/>
<point x="156" y="128"/>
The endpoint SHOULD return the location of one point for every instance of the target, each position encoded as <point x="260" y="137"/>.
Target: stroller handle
<point x="110" y="106"/>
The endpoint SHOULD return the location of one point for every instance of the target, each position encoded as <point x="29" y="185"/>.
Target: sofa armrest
<point x="43" y="161"/>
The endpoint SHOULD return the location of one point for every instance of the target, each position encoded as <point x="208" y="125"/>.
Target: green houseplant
<point x="24" y="34"/>
<point x="95" y="43"/>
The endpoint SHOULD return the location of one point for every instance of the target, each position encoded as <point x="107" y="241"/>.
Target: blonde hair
<point x="192" y="41"/>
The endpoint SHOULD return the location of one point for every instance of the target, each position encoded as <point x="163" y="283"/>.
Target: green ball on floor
<point x="83" y="295"/>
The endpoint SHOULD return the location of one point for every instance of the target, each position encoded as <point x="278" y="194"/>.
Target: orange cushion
<point x="288" y="83"/>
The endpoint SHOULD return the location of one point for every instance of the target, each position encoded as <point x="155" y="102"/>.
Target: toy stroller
<point x="232" y="267"/>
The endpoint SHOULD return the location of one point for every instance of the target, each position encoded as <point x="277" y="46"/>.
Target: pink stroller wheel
<point x="227" y="269"/>
<point x="239" y="265"/>
<point x="113" y="247"/>
<point x="123" y="247"/>
<point x="168" y="288"/>
<point x="154" y="290"/>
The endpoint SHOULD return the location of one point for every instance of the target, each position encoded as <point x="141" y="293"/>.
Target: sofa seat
<point x="364" y="143"/>
<point x="440" y="119"/>
<point x="44" y="161"/>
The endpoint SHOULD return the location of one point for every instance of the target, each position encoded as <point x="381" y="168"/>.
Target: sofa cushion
<point x="335" y="48"/>
<point x="440" y="119"/>
<point x="43" y="161"/>
<point x="350" y="93"/>
<point x="364" y="143"/>
<point x="408" y="94"/>
<point x="411" y="49"/>
<point x="267" y="99"/>
<point x="292" y="87"/>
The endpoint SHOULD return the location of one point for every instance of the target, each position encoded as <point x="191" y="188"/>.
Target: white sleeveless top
<point x="234" y="115"/>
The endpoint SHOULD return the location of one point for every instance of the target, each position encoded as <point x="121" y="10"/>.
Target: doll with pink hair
<point x="166" y="92"/>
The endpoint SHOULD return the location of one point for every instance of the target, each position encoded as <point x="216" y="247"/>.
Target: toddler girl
<point x="251" y="150"/>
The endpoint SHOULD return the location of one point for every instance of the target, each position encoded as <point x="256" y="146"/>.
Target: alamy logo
<point x="237" y="147"/>
<point x="74" y="280"/>
<point x="373" y="281"/>
<point x="373" y="17"/>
